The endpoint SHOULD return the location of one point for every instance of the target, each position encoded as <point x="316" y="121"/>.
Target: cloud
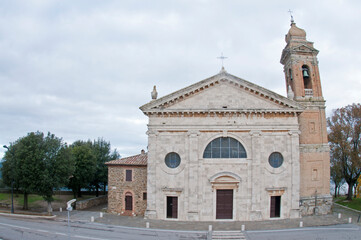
<point x="81" y="69"/>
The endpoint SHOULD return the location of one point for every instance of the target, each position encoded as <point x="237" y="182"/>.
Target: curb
<point x="27" y="216"/>
<point x="347" y="207"/>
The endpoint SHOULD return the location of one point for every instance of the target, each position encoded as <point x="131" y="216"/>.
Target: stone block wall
<point x="319" y="205"/>
<point x="118" y="187"/>
<point x="91" y="202"/>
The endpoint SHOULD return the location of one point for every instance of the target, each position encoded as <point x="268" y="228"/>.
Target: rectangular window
<point x="128" y="175"/>
<point x="144" y="196"/>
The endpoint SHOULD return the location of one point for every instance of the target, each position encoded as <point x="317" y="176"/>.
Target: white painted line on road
<point x="86" y="237"/>
<point x="34" y="230"/>
<point x="150" y="229"/>
<point x="14" y="226"/>
<point x="303" y="229"/>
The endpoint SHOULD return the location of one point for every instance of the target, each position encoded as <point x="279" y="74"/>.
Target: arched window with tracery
<point x="224" y="147"/>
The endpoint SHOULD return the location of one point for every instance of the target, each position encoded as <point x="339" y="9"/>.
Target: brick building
<point x="127" y="185"/>
<point x="225" y="148"/>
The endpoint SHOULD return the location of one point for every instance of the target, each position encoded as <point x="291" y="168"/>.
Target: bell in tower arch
<point x="305" y="73"/>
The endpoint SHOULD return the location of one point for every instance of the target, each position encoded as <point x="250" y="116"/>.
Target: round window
<point x="275" y="159"/>
<point x="172" y="160"/>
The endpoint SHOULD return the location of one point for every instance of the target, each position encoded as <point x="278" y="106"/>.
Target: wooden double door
<point x="224" y="204"/>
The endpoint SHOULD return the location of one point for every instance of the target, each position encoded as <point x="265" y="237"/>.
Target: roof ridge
<point x="138" y="159"/>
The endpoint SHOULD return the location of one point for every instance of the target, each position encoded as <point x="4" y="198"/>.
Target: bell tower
<point x="303" y="84"/>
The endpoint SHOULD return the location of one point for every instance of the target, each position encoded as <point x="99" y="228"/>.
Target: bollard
<point x="349" y="220"/>
<point x="210" y="228"/>
<point x="92" y="219"/>
<point x="60" y="209"/>
<point x="101" y="214"/>
<point x="301" y="224"/>
<point x="243" y="228"/>
<point x="147" y="225"/>
<point x="339" y="215"/>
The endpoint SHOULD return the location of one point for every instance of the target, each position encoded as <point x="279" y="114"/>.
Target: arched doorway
<point x="128" y="201"/>
<point x="224" y="184"/>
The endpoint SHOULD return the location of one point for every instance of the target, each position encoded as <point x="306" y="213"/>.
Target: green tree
<point x="85" y="166"/>
<point x="27" y="155"/>
<point x="345" y="143"/>
<point x="37" y="164"/>
<point x="103" y="154"/>
<point x="56" y="168"/>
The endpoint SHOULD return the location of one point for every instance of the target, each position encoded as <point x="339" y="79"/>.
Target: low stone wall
<point x="324" y="205"/>
<point x="91" y="202"/>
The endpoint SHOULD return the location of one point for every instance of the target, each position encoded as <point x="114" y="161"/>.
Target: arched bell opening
<point x="307" y="82"/>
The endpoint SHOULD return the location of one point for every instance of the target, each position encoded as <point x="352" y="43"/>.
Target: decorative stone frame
<point x="172" y="192"/>
<point x="223" y="134"/>
<point x="280" y="169"/>
<point x="123" y="201"/>
<point x="172" y="171"/>
<point x="224" y="180"/>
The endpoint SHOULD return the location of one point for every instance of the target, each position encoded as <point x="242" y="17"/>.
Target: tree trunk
<point x="336" y="191"/>
<point x="79" y="192"/>
<point x="104" y="188"/>
<point x="97" y="191"/>
<point x="354" y="190"/>
<point x="50" y="209"/>
<point x="25" y="207"/>
<point x="349" y="194"/>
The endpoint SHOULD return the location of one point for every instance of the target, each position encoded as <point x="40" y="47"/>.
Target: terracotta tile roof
<point x="136" y="160"/>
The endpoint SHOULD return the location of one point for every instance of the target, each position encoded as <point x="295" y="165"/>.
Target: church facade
<point x="227" y="149"/>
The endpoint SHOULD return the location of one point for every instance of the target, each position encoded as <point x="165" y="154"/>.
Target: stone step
<point x="228" y="235"/>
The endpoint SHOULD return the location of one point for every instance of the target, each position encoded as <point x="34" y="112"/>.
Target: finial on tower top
<point x="292" y="21"/>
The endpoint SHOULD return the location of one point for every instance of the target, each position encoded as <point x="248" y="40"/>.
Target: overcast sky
<point x="81" y="69"/>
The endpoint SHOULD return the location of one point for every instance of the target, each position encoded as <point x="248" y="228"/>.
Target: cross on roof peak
<point x="289" y="10"/>
<point x="222" y="59"/>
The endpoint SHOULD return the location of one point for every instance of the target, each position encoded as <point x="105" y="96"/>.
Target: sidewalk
<point x="140" y="222"/>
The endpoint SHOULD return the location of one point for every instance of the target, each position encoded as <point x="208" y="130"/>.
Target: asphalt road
<point x="14" y="229"/>
<point x="336" y="232"/>
<point x="38" y="229"/>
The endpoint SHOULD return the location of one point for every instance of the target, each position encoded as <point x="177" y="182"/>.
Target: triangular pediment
<point x="304" y="48"/>
<point x="300" y="48"/>
<point x="222" y="93"/>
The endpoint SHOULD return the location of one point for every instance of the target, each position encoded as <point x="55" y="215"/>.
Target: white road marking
<point x="10" y="225"/>
<point x="62" y="234"/>
<point x="45" y="231"/>
<point x="302" y="229"/>
<point x="79" y="236"/>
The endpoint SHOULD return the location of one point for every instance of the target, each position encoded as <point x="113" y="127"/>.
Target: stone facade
<point x="223" y="106"/>
<point x="119" y="188"/>
<point x="225" y="148"/>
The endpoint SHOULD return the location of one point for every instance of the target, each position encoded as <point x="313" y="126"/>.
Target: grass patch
<point x="355" y="203"/>
<point x="31" y="199"/>
<point x="4" y="196"/>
